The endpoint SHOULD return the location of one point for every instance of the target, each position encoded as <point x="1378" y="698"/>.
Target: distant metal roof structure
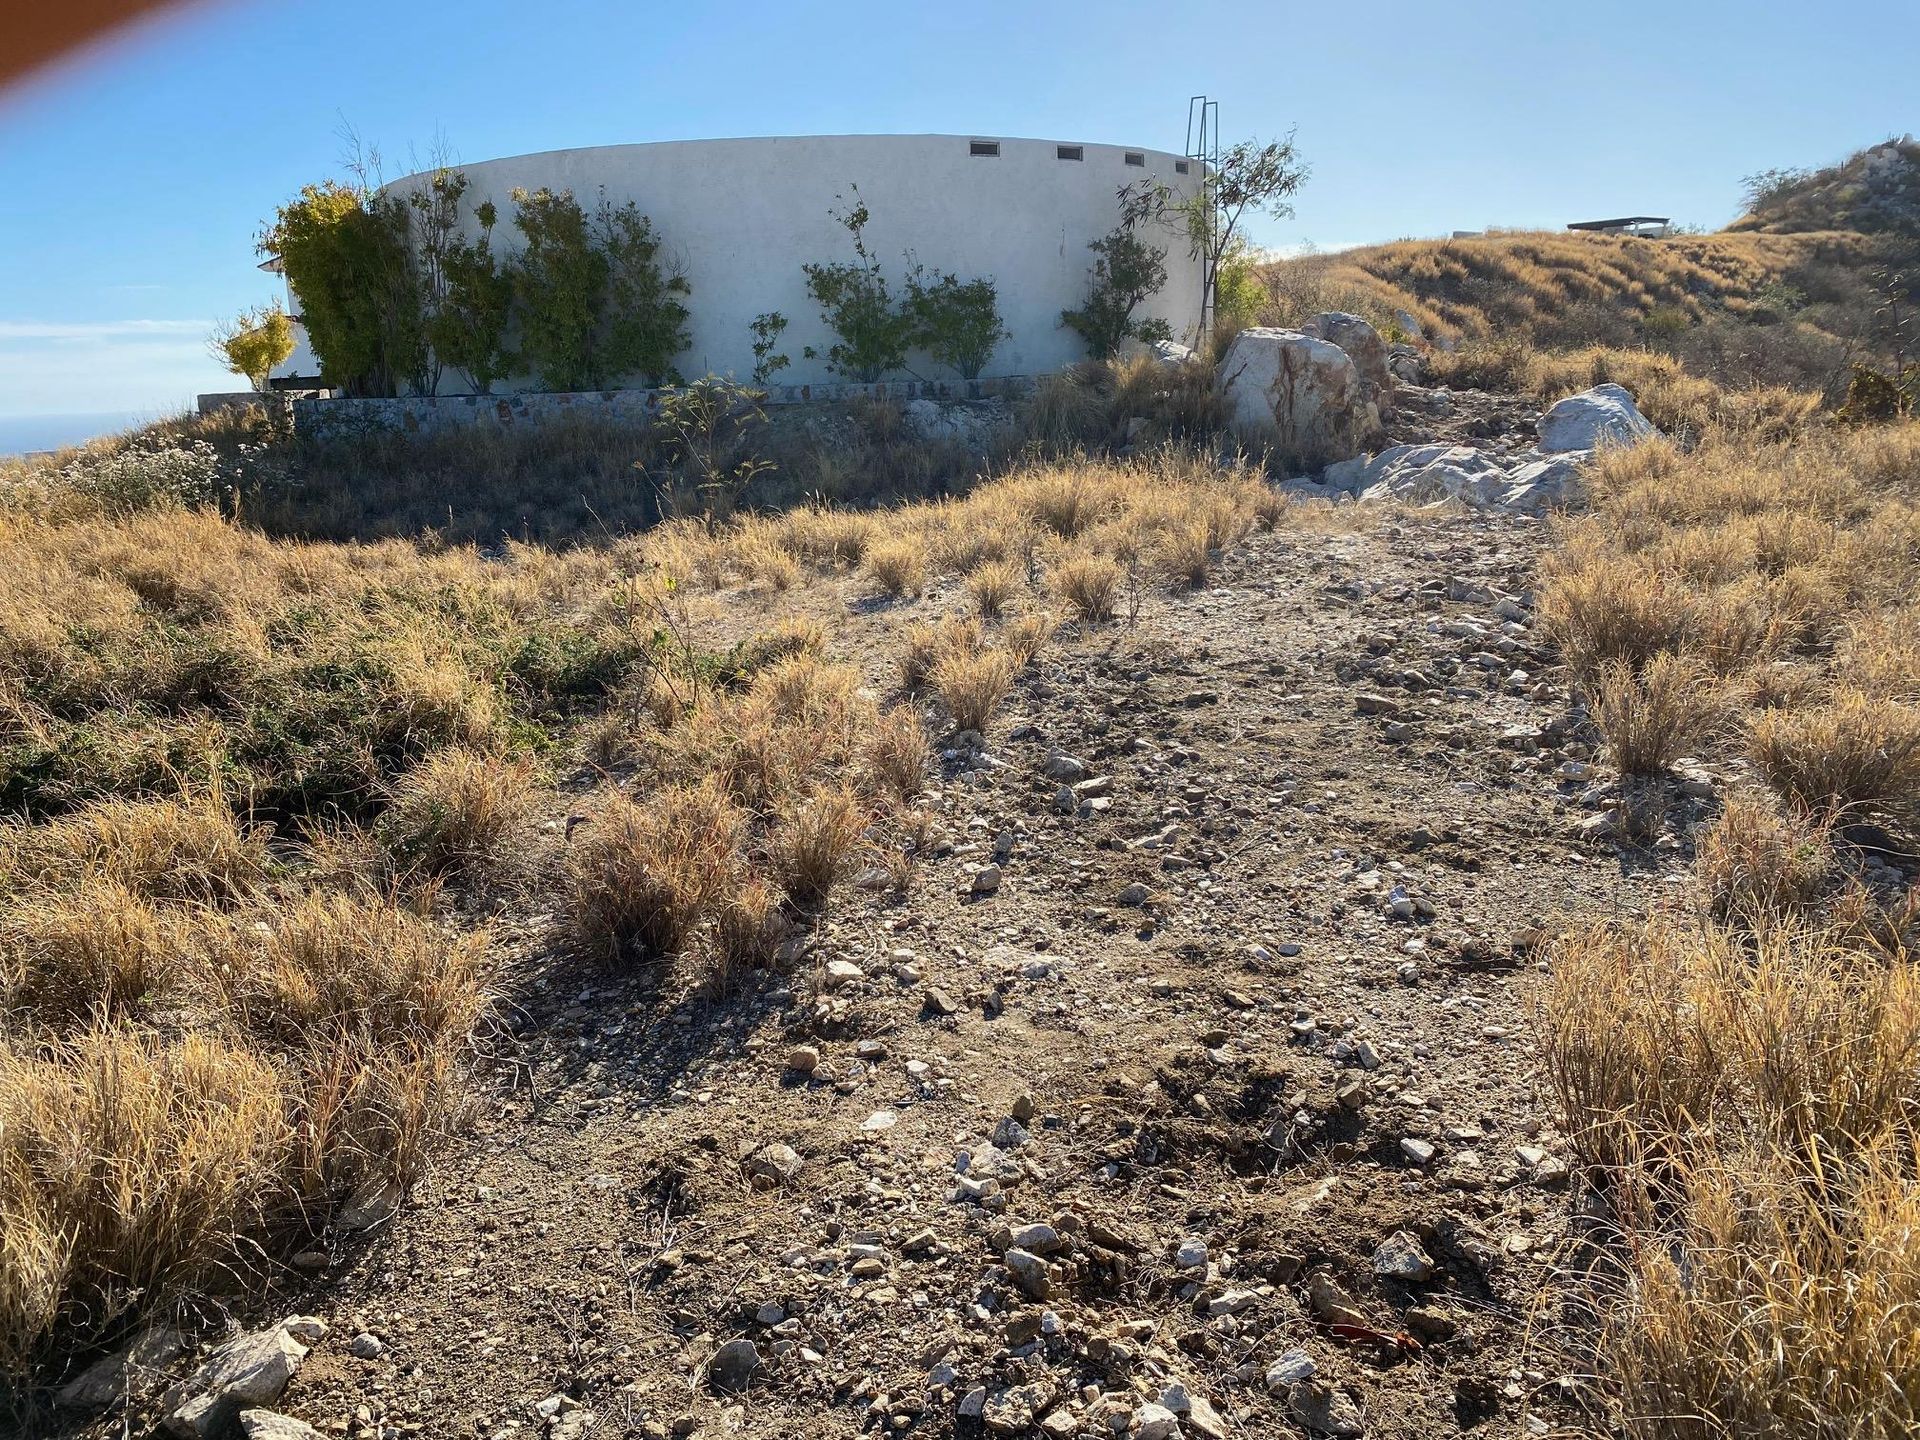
<point x="1624" y="222"/>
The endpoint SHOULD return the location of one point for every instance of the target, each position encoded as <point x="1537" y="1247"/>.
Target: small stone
<point x="803" y="1059"/>
<point x="1289" y="1368"/>
<point x="985" y="880"/>
<point x="1039" y="1238"/>
<point x="1063" y="767"/>
<point x="1205" y="1421"/>
<point x="972" y="1403"/>
<point x="1331" y="1303"/>
<point x="1022" y="1107"/>
<point x="270" y="1425"/>
<point x="1400" y="1257"/>
<point x="1134" y="894"/>
<point x="367" y="1346"/>
<point x="1420" y="1152"/>
<point x="1322" y="1408"/>
<point x="735" y="1365"/>
<point x="774" y="1165"/>
<point x="1192" y="1254"/>
<point x="843" y="972"/>
<point x="1154" y="1422"/>
<point x="1431" y="1323"/>
<point x="938" y="1002"/>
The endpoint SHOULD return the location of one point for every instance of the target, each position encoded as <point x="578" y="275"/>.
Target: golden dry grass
<point x="245" y="772"/>
<point x="1526" y="282"/>
<point x="1753" y="1102"/>
<point x="1783" y="573"/>
<point x="1746" y="1080"/>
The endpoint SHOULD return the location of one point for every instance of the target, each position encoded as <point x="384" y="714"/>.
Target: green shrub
<point x="855" y="300"/>
<point x="347" y="256"/>
<point x="1875" y="396"/>
<point x="1126" y="271"/>
<point x="595" y="302"/>
<point x="956" y="322"/>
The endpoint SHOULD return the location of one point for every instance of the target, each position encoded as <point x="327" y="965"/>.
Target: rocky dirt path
<point x="1229" y="1075"/>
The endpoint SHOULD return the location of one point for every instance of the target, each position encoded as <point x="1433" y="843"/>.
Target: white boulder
<point x="1548" y="484"/>
<point x="1604" y="415"/>
<point x="1422" y="474"/>
<point x="1294" y="394"/>
<point x="1169" y="352"/>
<point x="1361" y="342"/>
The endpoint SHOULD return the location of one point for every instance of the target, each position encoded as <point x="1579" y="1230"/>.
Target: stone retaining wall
<point x="425" y="413"/>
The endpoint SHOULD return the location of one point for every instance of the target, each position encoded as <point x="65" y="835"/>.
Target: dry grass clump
<point x="1856" y="752"/>
<point x="128" y="1164"/>
<point x="643" y="876"/>
<point x="1754" y="1103"/>
<point x="1651" y="718"/>
<point x="898" y="567"/>
<point x="815" y="842"/>
<point x="972" y="684"/>
<point x="457" y="808"/>
<point x="896" y="754"/>
<point x="98" y="951"/>
<point x="992" y="584"/>
<point x="926" y="645"/>
<point x="191" y="1070"/>
<point x="753" y="805"/>
<point x="1027" y="634"/>
<point x="1089" y="582"/>
<point x="1759" y="867"/>
<point x="1790" y="571"/>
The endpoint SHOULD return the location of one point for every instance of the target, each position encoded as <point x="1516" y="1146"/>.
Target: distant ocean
<point x="23" y="434"/>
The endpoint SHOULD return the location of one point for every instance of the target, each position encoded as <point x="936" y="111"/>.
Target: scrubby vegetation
<point x="258" y="788"/>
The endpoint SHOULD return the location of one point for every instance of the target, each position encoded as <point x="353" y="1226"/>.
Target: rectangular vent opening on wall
<point x="1070" y="152"/>
<point x="1180" y="167"/>
<point x="983" y="147"/>
<point x="1134" y="157"/>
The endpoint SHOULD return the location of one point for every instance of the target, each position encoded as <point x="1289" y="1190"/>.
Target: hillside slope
<point x="1875" y="191"/>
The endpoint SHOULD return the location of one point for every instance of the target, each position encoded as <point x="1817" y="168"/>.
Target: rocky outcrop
<point x="1434" y="473"/>
<point x="1296" y="395"/>
<point x="1604" y="415"/>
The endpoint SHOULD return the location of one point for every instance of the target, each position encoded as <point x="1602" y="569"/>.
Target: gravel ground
<point x="1217" y="1115"/>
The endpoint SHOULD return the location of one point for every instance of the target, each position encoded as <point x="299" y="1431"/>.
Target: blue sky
<point x="136" y="178"/>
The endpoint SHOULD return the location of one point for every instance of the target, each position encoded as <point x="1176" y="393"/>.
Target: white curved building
<point x="740" y="217"/>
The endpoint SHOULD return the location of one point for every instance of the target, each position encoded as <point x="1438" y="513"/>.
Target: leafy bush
<point x="253" y="343"/>
<point x="1876" y="396"/>
<point x="858" y="306"/>
<point x="469" y="329"/>
<point x="956" y="322"/>
<point x="703" y="432"/>
<point x="767" y="361"/>
<point x="346" y="255"/>
<point x="595" y="300"/>
<point x="1126" y="271"/>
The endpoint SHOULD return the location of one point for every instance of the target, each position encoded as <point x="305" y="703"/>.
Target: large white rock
<point x="1361" y="342"/>
<point x="1604" y="415"/>
<point x="1296" y="395"/>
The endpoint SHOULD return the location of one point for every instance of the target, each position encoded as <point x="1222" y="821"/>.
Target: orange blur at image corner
<point x="35" y="35"/>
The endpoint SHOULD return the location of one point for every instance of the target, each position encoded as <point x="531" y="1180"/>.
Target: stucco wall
<point x="740" y="217"/>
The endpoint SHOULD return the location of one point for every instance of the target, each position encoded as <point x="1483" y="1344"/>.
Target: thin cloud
<point x="99" y="329"/>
